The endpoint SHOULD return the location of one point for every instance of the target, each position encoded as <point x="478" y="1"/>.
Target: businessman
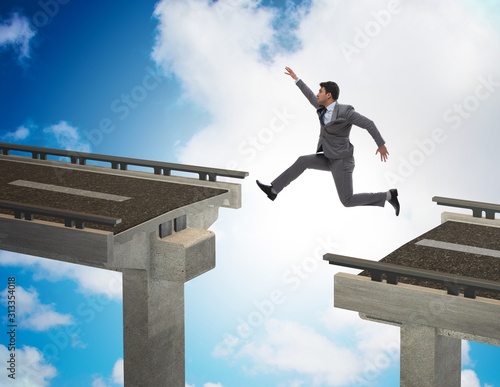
<point x="334" y="152"/>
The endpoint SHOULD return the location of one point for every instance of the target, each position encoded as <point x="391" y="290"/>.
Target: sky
<point x="202" y="82"/>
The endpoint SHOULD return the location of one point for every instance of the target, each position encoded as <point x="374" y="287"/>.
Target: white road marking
<point x="459" y="247"/>
<point x="71" y="191"/>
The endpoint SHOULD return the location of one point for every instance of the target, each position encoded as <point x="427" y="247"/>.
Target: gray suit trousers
<point x="341" y="170"/>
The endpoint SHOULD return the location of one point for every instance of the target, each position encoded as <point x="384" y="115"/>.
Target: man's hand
<point x="384" y="153"/>
<point x="290" y="72"/>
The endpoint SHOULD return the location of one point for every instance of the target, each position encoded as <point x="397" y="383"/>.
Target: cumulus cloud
<point x="366" y="349"/>
<point x="415" y="69"/>
<point x="115" y="379"/>
<point x="285" y="348"/>
<point x="60" y="135"/>
<point x="21" y="133"/>
<point x="35" y="315"/>
<point x="32" y="370"/>
<point x="98" y="382"/>
<point x="118" y="372"/>
<point x="67" y="136"/>
<point x="90" y="281"/>
<point x="16" y="33"/>
<point x="466" y="358"/>
<point x="470" y="379"/>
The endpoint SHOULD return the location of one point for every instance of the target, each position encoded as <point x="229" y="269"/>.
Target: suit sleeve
<point x="357" y="119"/>
<point x="311" y="97"/>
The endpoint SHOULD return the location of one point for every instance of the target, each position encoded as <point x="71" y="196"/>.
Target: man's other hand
<point x="384" y="153"/>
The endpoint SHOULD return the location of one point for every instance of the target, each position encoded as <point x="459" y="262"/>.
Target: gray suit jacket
<point x="334" y="135"/>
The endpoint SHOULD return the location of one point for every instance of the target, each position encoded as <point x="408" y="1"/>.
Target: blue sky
<point x="201" y="82"/>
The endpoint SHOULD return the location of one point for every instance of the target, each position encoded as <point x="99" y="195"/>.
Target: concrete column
<point x="153" y="303"/>
<point x="428" y="359"/>
<point x="153" y="325"/>
<point x="135" y="326"/>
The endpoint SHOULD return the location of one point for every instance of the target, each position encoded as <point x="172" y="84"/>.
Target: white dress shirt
<point x="327" y="117"/>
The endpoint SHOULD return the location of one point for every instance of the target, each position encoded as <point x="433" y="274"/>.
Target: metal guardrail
<point x="476" y="207"/>
<point x="392" y="272"/>
<point x="122" y="163"/>
<point x="71" y="218"/>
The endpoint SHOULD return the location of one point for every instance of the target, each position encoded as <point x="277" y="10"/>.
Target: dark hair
<point x="332" y="88"/>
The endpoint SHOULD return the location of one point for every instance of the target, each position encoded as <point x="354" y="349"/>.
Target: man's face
<point x="323" y="97"/>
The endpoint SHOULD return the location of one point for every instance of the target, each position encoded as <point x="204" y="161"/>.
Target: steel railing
<point x="122" y="163"/>
<point x="391" y="271"/>
<point x="477" y="207"/>
<point x="71" y="218"/>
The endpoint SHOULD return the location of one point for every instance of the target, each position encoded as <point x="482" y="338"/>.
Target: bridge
<point x="440" y="288"/>
<point x="129" y="215"/>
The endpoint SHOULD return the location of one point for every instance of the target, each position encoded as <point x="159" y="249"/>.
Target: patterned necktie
<point x="321" y="113"/>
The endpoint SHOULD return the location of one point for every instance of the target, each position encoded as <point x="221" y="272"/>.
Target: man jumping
<point x="334" y="152"/>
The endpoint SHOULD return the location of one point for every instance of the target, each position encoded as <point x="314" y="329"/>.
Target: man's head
<point x="328" y="93"/>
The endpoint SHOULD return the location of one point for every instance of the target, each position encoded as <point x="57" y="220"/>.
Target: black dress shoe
<point x="268" y="190"/>
<point x="394" y="200"/>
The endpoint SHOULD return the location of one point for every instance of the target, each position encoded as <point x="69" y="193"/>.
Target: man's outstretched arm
<point x="308" y="93"/>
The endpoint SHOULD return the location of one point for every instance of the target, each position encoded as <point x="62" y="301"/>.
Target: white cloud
<point x="63" y="134"/>
<point x="409" y="77"/>
<point x="466" y="359"/>
<point x="68" y="137"/>
<point x="212" y="385"/>
<point x="35" y="315"/>
<point x="98" y="382"/>
<point x="20" y="133"/>
<point x="116" y="378"/>
<point x="90" y="281"/>
<point x="289" y="346"/>
<point x="366" y="349"/>
<point x="17" y="33"/>
<point x="32" y="369"/>
<point x="470" y="379"/>
<point x="118" y="372"/>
